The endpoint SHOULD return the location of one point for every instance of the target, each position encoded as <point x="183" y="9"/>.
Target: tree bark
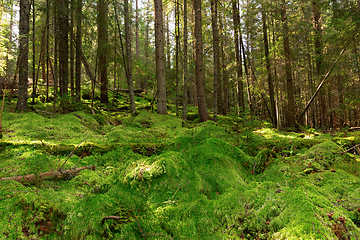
<point x="129" y="56"/>
<point x="268" y="69"/>
<point x="56" y="52"/>
<point x="137" y="51"/>
<point x="47" y="47"/>
<point x="63" y="22"/>
<point x="185" y="63"/>
<point x="215" y="32"/>
<point x="177" y="40"/>
<point x="160" y="65"/>
<point x="200" y="84"/>
<point x="319" y="59"/>
<point x="103" y="49"/>
<point x="33" y="95"/>
<point x="240" y="86"/>
<point x="290" y="111"/>
<point x="72" y="53"/>
<point x="78" y="50"/>
<point x="23" y="54"/>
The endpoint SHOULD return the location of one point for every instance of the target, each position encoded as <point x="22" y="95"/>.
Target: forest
<point x="177" y="119"/>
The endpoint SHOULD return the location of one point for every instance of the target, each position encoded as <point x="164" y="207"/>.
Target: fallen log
<point x="46" y="176"/>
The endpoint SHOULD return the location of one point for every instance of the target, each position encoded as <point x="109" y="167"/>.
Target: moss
<point x="235" y="179"/>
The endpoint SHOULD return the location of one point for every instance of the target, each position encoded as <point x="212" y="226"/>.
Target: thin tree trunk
<point x="200" y="84"/>
<point x="63" y="48"/>
<point x="160" y="66"/>
<point x="268" y="68"/>
<point x="185" y="67"/>
<point x="137" y="43"/>
<point x="319" y="56"/>
<point x="240" y="86"/>
<point x="214" y="19"/>
<point x="56" y="51"/>
<point x="129" y="56"/>
<point x="78" y="50"/>
<point x="72" y="53"/>
<point x="177" y="48"/>
<point x="290" y="113"/>
<point x="33" y="95"/>
<point x="47" y="47"/>
<point x="103" y="49"/>
<point x="168" y="48"/>
<point x="23" y="54"/>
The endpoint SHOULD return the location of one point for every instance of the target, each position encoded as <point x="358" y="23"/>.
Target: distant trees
<point x="267" y="62"/>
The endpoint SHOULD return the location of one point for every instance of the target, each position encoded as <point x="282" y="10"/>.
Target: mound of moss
<point x="158" y="178"/>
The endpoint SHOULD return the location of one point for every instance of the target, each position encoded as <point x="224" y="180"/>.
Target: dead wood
<point x="46" y="176"/>
<point x="354" y="148"/>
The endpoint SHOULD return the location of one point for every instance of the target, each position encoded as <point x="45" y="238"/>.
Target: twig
<point x="109" y="217"/>
<point x="354" y="147"/>
<point x="59" y="169"/>
<point x="12" y="170"/>
<point x="322" y="234"/>
<point x="142" y="234"/>
<point x="320" y="220"/>
<point x="179" y="189"/>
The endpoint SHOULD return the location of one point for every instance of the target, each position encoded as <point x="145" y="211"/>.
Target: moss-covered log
<point x="46" y="176"/>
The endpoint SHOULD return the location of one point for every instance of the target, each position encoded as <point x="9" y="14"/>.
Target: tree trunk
<point x="63" y="22"/>
<point x="200" y="84"/>
<point x="268" y="69"/>
<point x="23" y="54"/>
<point x="160" y="66"/>
<point x="224" y="70"/>
<point x="56" y="52"/>
<point x="290" y="111"/>
<point x="214" y="20"/>
<point x="129" y="56"/>
<point x="47" y="47"/>
<point x="177" y="40"/>
<point x="78" y="54"/>
<point x="137" y="43"/>
<point x="185" y="67"/>
<point x="33" y="95"/>
<point x="72" y="54"/>
<point x="240" y="87"/>
<point x="318" y="59"/>
<point x="103" y="49"/>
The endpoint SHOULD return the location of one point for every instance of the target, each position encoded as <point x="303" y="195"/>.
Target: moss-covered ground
<point x="157" y="177"/>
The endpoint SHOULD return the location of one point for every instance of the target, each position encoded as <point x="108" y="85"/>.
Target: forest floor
<point x="152" y="176"/>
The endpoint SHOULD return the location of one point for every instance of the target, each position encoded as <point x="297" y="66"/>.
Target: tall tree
<point x="185" y="63"/>
<point x="319" y="58"/>
<point x="72" y="50"/>
<point x="177" y="49"/>
<point x="137" y="51"/>
<point x="240" y="86"/>
<point x="33" y="95"/>
<point x="290" y="111"/>
<point x="129" y="56"/>
<point x="214" y="20"/>
<point x="102" y="49"/>
<point x="200" y="83"/>
<point x="78" y="50"/>
<point x="268" y="68"/>
<point x="23" y="54"/>
<point x="63" y="21"/>
<point x="160" y="65"/>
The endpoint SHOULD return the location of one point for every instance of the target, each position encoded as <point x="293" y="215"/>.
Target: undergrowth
<point x="156" y="177"/>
